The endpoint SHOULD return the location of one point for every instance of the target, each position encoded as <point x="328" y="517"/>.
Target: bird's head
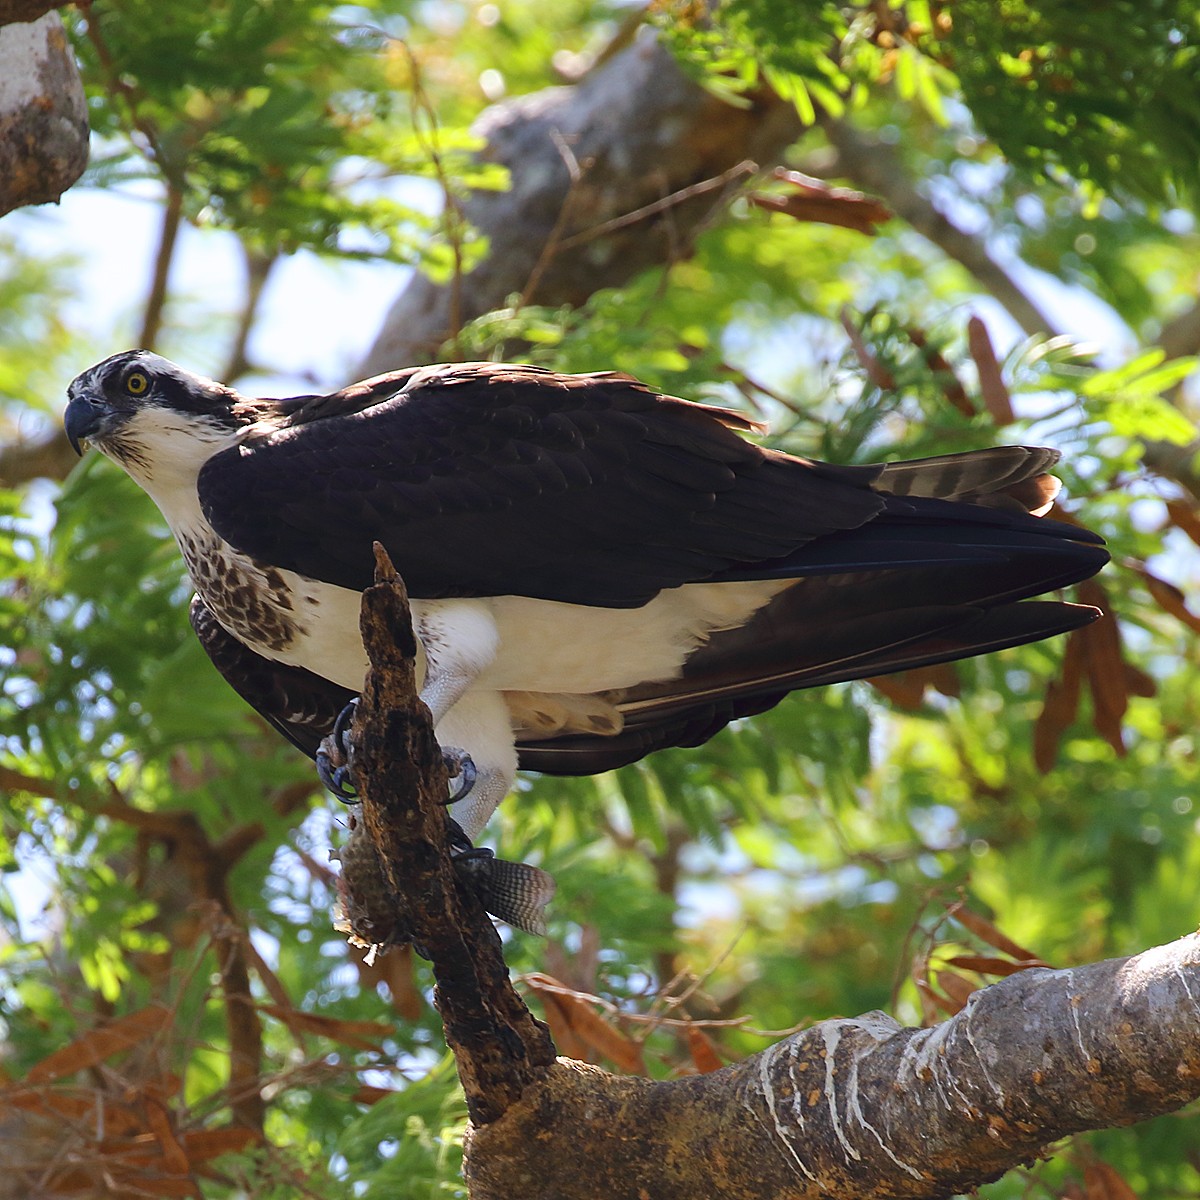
<point x="154" y="418"/>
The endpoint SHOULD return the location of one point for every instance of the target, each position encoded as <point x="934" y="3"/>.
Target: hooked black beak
<point x="82" y="418"/>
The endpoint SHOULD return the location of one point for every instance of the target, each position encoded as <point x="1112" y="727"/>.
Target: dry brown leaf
<point x="561" y="1030"/>
<point x="1170" y="599"/>
<point x="907" y="688"/>
<point x="83" y="1104"/>
<point x="578" y="1013"/>
<point x="1104" y="1183"/>
<point x="1105" y="668"/>
<point x="987" y="965"/>
<point x="879" y="375"/>
<point x="983" y="929"/>
<point x="992" y="387"/>
<point x="903" y="689"/>
<point x="395" y="969"/>
<point x="98" y="1044"/>
<point x="159" y="1121"/>
<point x="703" y="1050"/>
<point x="944" y="678"/>
<point x="957" y="988"/>
<point x="602" y="1037"/>
<point x="166" y="1186"/>
<point x="362" y="1035"/>
<point x="952" y="387"/>
<point x="1184" y="516"/>
<point x="813" y="200"/>
<point x="1060" y="706"/>
<point x="204" y="1144"/>
<point x="929" y="1008"/>
<point x="933" y="1004"/>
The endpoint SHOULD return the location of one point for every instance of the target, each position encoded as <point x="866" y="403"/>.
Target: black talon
<point x="341" y="727"/>
<point x="337" y="779"/>
<point x="460" y="766"/>
<point x="461" y="846"/>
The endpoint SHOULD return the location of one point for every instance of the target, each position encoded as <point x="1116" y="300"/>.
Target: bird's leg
<point x="459" y="639"/>
<point x="480" y="720"/>
<point x="460" y="766"/>
<point x="333" y="757"/>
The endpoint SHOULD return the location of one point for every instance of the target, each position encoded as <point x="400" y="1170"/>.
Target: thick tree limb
<point x="857" y="1108"/>
<point x="49" y="456"/>
<point x="637" y="131"/>
<point x="498" y="1046"/>
<point x="863" y="1108"/>
<point x="43" y="114"/>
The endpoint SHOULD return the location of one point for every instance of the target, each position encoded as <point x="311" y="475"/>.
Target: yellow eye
<point x="136" y="383"/>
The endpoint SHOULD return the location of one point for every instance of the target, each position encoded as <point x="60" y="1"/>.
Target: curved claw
<point x="337" y="745"/>
<point x="341" y="727"/>
<point x="461" y="767"/>
<point x="336" y="779"/>
<point x="457" y="839"/>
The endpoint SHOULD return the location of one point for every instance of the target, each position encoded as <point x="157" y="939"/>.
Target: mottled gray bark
<point x="862" y="1108"/>
<point x="43" y="114"/>
<point x="640" y="133"/>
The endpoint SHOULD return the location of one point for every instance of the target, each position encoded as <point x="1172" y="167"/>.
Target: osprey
<point x="597" y="571"/>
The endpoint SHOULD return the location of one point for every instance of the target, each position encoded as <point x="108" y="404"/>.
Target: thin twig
<point x="740" y="171"/>
<point x="258" y="269"/>
<point x="157" y="299"/>
<point x="453" y="220"/>
<point x="550" y="247"/>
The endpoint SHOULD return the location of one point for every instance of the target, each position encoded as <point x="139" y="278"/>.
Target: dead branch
<point x="12" y="11"/>
<point x="499" y="1048"/>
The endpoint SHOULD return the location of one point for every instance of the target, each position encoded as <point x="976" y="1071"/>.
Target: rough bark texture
<point x="865" y="1108"/>
<point x="640" y="131"/>
<point x="498" y="1045"/>
<point x="43" y="114"/>
<point x="853" y="1108"/>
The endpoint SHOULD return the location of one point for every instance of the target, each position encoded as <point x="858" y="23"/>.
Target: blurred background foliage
<point x="867" y="846"/>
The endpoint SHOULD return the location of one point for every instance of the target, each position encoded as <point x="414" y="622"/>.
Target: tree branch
<point x="499" y="1048"/>
<point x="874" y="166"/>
<point x="861" y="1108"/>
<point x="1181" y="334"/>
<point x="157" y="299"/>
<point x="12" y="11"/>
<point x="646" y="131"/>
<point x="43" y="113"/>
<point x="49" y="457"/>
<point x="855" y="1108"/>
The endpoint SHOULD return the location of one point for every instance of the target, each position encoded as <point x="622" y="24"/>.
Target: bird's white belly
<point x="517" y="643"/>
